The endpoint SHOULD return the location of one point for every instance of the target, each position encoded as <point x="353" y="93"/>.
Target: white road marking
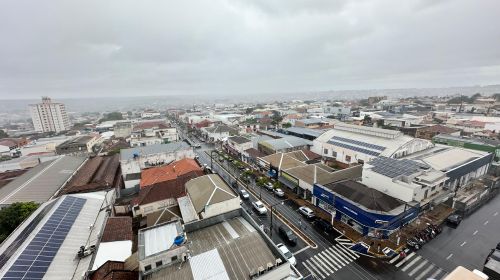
<point x="415" y="260"/>
<point x="485" y="223"/>
<point x="301" y="250"/>
<point x="339" y="259"/>
<point x="423" y="273"/>
<point x="393" y="260"/>
<point x="316" y="271"/>
<point x="418" y="268"/>
<point x="331" y="261"/>
<point x="348" y="257"/>
<point x="475" y="232"/>
<point x="496" y="213"/>
<point x="309" y="269"/>
<point x="405" y="259"/>
<point x="347" y="251"/>
<point x="461" y="245"/>
<point x="449" y="256"/>
<point x="433" y="276"/>
<point x="323" y="266"/>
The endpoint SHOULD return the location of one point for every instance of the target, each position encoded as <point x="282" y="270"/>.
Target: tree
<point x="12" y="216"/>
<point x="3" y="134"/>
<point x="249" y="110"/>
<point x="287" y="125"/>
<point x="367" y="119"/>
<point x="113" y="116"/>
<point x="276" y="118"/>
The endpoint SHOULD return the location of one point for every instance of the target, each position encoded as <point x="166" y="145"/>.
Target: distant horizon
<point x="270" y="95"/>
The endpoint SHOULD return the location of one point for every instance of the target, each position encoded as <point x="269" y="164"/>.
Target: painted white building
<point x="358" y="144"/>
<point x="49" y="116"/>
<point x="408" y="180"/>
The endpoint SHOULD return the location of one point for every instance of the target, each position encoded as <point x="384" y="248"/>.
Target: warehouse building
<point x="348" y="144"/>
<point x="486" y="145"/>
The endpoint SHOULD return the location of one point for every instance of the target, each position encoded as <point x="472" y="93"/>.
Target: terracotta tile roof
<point x="7" y="142"/>
<point x="117" y="229"/>
<point x="440" y="129"/>
<point x="254" y="153"/>
<point x="168" y="172"/>
<point x="166" y="189"/>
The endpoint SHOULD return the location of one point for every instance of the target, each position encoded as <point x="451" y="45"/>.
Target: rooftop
<point x="46" y="244"/>
<point x="128" y="154"/>
<point x="322" y="174"/>
<point x="232" y="249"/>
<point x="207" y="190"/>
<point x="486" y="142"/>
<point x="159" y="238"/>
<point x="168" y="172"/>
<point x="239" y="139"/>
<point x="393" y="168"/>
<point x="285" y="143"/>
<point x="117" y="229"/>
<point x="79" y="140"/>
<point x="363" y="195"/>
<point x="445" y="158"/>
<point x="41" y="182"/>
<point x="305" y="131"/>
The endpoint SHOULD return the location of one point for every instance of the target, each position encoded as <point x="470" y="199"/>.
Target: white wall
<point x="386" y="185"/>
<point x="221" y="207"/>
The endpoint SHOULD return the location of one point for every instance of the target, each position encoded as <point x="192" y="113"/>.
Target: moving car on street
<point x="244" y="194"/>
<point x="287" y="254"/>
<point x="259" y="207"/>
<point x="454" y="219"/>
<point x="323" y="225"/>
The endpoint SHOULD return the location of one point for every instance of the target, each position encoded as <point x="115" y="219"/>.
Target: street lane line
<point x="423" y="273"/>
<point x="461" y="245"/>
<point x="347" y="251"/>
<point x="475" y="232"/>
<point x="485" y="223"/>
<point x="433" y="276"/>
<point x="449" y="256"/>
<point x="414" y="261"/>
<point x="309" y="269"/>
<point x="337" y="256"/>
<point x="405" y="259"/>
<point x="330" y="261"/>
<point x="316" y="270"/>
<point x="418" y="267"/>
<point x="302" y="250"/>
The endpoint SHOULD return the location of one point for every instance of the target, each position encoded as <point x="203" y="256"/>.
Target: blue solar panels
<point x="353" y="148"/>
<point x="38" y="255"/>
<point x="359" y="143"/>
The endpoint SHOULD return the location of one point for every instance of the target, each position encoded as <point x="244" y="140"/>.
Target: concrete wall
<point x="221" y="207"/>
<point x="386" y="185"/>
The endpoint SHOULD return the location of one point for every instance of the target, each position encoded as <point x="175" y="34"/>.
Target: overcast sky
<point x="114" y="48"/>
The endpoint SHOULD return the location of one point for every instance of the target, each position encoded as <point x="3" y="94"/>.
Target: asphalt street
<point x="469" y="243"/>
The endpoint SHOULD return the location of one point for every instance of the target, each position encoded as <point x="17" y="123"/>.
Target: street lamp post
<point x="272" y="208"/>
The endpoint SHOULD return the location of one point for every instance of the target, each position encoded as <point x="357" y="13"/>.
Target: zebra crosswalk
<point x="330" y="260"/>
<point x="417" y="267"/>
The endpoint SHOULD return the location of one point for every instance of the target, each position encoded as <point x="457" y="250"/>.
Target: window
<point x="325" y="151"/>
<point x="159" y="263"/>
<point x="334" y="154"/>
<point x="173" y="259"/>
<point x="147" y="267"/>
<point x="348" y="158"/>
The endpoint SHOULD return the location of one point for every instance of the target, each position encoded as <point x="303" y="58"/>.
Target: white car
<point x="259" y="207"/>
<point x="287" y="254"/>
<point x="270" y="186"/>
<point x="306" y="211"/>
<point x="279" y="192"/>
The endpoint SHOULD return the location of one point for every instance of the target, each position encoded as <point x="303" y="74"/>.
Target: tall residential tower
<point x="49" y="116"/>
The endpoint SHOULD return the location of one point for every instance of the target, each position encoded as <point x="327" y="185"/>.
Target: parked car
<point x="498" y="246"/>
<point x="494" y="254"/>
<point x="244" y="194"/>
<point x="287" y="254"/>
<point x="197" y="145"/>
<point x="287" y="235"/>
<point x="279" y="192"/>
<point x="259" y="207"/>
<point x="454" y="219"/>
<point x="307" y="212"/>
<point x="269" y="186"/>
<point x="323" y="225"/>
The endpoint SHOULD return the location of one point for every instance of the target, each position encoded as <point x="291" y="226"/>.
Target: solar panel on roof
<point x="353" y="148"/>
<point x="359" y="143"/>
<point x="38" y="255"/>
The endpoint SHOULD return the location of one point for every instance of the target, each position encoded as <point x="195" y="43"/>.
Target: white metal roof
<point x="208" y="266"/>
<point x="159" y="239"/>
<point x="112" y="251"/>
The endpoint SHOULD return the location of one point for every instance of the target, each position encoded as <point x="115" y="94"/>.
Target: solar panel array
<point x="393" y="167"/>
<point x="359" y="143"/>
<point x="38" y="255"/>
<point x="354" y="148"/>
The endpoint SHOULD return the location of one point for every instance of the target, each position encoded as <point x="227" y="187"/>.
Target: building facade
<point x="49" y="116"/>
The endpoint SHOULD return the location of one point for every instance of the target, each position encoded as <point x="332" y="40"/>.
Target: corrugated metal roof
<point x="208" y="265"/>
<point x="128" y="154"/>
<point x="42" y="182"/>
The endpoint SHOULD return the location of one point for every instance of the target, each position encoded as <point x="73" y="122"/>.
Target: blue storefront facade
<point x="361" y="219"/>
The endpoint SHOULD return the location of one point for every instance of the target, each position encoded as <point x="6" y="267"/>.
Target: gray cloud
<point x="207" y="47"/>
